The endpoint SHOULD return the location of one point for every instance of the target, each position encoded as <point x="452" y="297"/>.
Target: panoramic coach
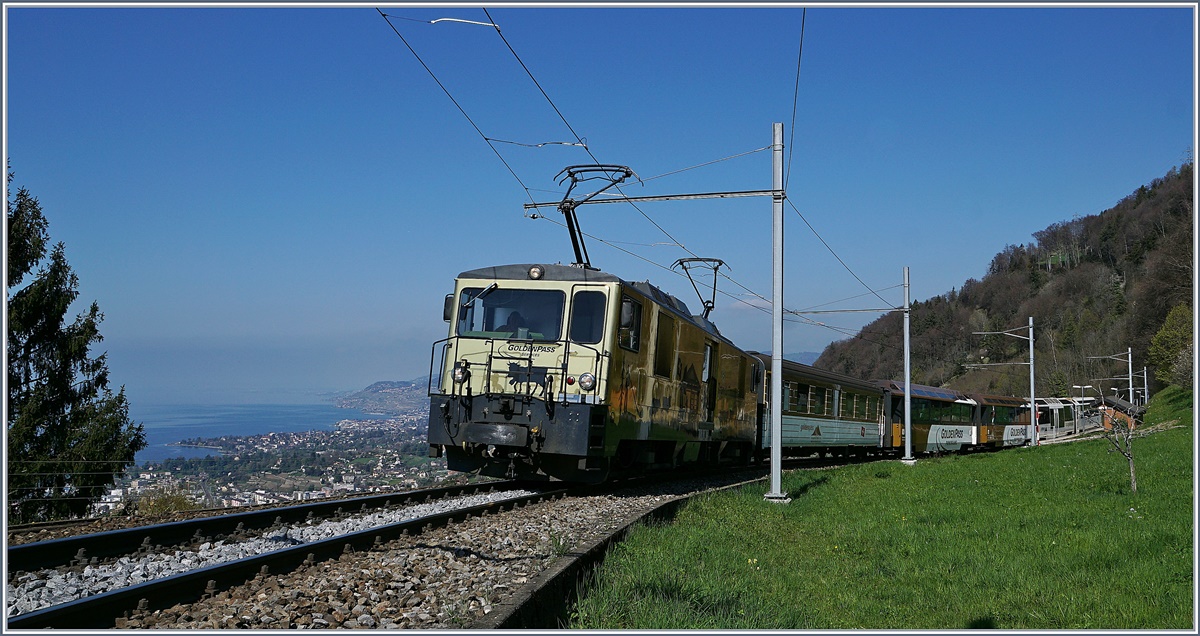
<point x="943" y="420"/>
<point x="1003" y="420"/>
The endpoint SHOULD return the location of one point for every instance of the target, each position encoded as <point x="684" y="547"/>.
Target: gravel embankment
<point x="446" y="578"/>
<point x="35" y="590"/>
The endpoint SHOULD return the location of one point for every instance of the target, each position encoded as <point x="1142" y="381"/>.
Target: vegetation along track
<point x="490" y="565"/>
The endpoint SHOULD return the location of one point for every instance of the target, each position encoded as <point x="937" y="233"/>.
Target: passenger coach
<point x="825" y="412"/>
<point x="942" y="420"/>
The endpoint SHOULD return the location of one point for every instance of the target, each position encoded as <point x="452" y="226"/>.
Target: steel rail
<point x="54" y="553"/>
<point x="102" y="610"/>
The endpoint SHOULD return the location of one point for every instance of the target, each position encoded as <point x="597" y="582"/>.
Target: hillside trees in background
<point x="1094" y="285"/>
<point x="1171" y="348"/>
<point x="69" y="436"/>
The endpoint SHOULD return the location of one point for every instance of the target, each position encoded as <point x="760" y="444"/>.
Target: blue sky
<point x="269" y="203"/>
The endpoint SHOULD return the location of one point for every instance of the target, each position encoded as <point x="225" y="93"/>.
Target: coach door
<point x="709" y="379"/>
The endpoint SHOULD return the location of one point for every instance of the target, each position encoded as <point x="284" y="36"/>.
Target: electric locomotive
<point x="570" y="373"/>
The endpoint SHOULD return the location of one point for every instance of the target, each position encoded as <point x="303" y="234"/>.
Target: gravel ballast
<point x="450" y="577"/>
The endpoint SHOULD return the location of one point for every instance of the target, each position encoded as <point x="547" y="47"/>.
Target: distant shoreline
<point x="183" y="445"/>
<point x="175" y="432"/>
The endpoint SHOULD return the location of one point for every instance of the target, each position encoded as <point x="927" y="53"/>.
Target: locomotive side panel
<point x="695" y="397"/>
<point x="737" y="401"/>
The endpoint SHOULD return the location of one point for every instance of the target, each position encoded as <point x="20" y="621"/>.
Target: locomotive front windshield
<point x="493" y="312"/>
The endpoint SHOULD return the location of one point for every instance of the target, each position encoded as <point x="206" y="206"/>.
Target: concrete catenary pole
<point x="1033" y="428"/>
<point x="776" y="493"/>
<point x="1129" y="359"/>
<point x="908" y="456"/>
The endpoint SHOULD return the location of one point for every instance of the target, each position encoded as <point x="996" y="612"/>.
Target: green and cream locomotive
<point x="567" y="372"/>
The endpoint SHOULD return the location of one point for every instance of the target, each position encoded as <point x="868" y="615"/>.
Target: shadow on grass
<point x="986" y="622"/>
<point x="808" y="485"/>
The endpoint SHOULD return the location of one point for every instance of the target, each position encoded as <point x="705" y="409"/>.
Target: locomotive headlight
<point x="536" y="272"/>
<point x="461" y="372"/>
<point x="587" y="382"/>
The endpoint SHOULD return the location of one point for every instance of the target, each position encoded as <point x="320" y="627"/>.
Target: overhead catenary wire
<point x="541" y="145"/>
<point x="765" y="309"/>
<point x="538" y="84"/>
<point x="445" y="90"/>
<point x="795" y="101"/>
<point x="835" y="254"/>
<point x="572" y="129"/>
<point x="580" y="142"/>
<point x="706" y="163"/>
<point x="579" y="139"/>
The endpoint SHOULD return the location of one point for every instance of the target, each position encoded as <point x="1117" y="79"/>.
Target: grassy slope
<point x="1044" y="538"/>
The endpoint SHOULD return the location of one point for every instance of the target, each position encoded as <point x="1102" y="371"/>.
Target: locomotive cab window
<point x="510" y="313"/>
<point x="629" y="335"/>
<point x="587" y="317"/>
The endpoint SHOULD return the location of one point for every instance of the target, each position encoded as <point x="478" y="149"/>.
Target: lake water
<point x="172" y="423"/>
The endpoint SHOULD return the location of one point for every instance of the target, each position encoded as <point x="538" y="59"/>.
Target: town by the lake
<point x="358" y="455"/>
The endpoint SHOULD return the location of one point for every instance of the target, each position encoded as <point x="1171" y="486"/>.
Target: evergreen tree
<point x="1172" y="338"/>
<point x="69" y="436"/>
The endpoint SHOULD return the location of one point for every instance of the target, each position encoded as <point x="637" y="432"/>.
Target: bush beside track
<point x="1041" y="538"/>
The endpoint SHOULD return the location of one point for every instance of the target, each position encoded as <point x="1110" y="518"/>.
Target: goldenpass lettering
<point x="525" y="347"/>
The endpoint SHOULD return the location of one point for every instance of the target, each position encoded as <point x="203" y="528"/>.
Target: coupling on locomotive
<point x="570" y="373"/>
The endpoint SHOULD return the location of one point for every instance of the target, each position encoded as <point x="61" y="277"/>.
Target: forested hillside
<point x="1094" y="286"/>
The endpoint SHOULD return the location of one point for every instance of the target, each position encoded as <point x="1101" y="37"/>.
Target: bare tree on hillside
<point x="1119" y="429"/>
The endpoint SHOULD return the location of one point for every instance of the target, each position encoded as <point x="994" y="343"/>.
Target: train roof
<point x="823" y="375"/>
<point x="925" y="391"/>
<point x="1123" y="406"/>
<point x="572" y="273"/>
<point x="551" y="272"/>
<point x="1000" y="400"/>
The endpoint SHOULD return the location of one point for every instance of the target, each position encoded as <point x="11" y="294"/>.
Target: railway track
<point x="89" y="548"/>
<point x="505" y="556"/>
<point x="78" y="554"/>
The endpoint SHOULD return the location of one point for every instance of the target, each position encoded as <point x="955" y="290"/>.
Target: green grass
<point x="1042" y="538"/>
<point x="1173" y="404"/>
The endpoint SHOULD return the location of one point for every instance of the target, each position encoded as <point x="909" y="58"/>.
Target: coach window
<point x="587" y="317"/>
<point x="816" y="400"/>
<point x="664" y="345"/>
<point x="860" y="407"/>
<point x="629" y="336"/>
<point x="800" y="398"/>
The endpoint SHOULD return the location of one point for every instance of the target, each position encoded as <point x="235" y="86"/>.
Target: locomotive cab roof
<point x="574" y="274"/>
